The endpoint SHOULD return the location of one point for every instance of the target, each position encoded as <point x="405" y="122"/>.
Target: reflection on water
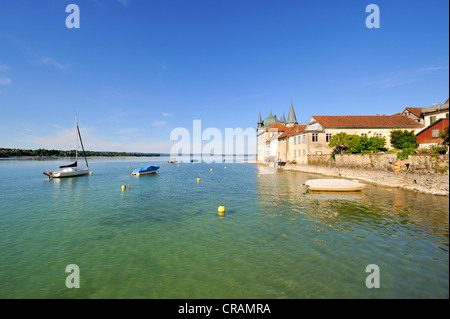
<point x="374" y="206"/>
<point x="407" y="232"/>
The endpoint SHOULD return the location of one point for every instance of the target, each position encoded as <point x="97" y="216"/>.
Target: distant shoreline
<point x="44" y="153"/>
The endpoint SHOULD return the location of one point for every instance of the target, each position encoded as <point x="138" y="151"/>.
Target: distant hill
<point x="15" y="152"/>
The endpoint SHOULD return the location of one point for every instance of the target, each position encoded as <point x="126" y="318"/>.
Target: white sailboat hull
<point x="70" y="172"/>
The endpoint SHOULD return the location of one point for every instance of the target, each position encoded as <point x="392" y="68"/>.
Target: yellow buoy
<point x="210" y="169"/>
<point x="124" y="187"/>
<point x="91" y="173"/>
<point x="198" y="180"/>
<point x="225" y="167"/>
<point x="221" y="210"/>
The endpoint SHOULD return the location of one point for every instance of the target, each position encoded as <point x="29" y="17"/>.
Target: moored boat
<point x="334" y="185"/>
<point x="71" y="170"/>
<point x="145" y="170"/>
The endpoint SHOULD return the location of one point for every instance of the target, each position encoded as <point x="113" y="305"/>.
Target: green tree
<point x="444" y="136"/>
<point x="340" y="142"/>
<point x="403" y="139"/>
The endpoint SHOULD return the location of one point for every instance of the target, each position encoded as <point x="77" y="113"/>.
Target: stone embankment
<point x="422" y="173"/>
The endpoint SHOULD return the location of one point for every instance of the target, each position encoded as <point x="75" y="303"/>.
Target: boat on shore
<point x="173" y="161"/>
<point x="71" y="170"/>
<point x="145" y="170"/>
<point x="334" y="185"/>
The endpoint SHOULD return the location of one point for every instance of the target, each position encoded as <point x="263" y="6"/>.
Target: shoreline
<point x="422" y="183"/>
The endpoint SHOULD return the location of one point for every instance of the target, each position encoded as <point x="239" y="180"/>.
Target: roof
<point x="293" y="130"/>
<point x="291" y="116"/>
<point x="277" y="127"/>
<point x="442" y="125"/>
<point x="349" y="121"/>
<point x="270" y="120"/>
<point x="435" y="109"/>
<point x="417" y="111"/>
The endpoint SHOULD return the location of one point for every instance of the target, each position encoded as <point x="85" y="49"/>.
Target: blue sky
<point x="137" y="69"/>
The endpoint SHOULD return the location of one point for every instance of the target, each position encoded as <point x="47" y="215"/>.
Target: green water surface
<point x="163" y="237"/>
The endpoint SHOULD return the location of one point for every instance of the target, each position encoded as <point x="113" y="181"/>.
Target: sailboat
<point x="71" y="170"/>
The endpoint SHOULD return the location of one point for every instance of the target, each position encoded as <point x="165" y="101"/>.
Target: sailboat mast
<point x="76" y="126"/>
<point x="82" y="146"/>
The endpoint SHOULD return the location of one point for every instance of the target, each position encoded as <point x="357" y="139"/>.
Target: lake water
<point x="163" y="237"/>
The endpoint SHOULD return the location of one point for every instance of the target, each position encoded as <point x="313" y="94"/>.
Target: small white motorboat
<point x="334" y="185"/>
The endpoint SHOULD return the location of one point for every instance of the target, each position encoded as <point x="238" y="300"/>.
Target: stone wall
<point x="424" y="173"/>
<point x="382" y="161"/>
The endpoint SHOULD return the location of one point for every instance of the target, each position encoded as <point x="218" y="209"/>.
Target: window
<point x="378" y="135"/>
<point x="304" y="137"/>
<point x="304" y="152"/>
<point x="328" y="137"/>
<point x="432" y="119"/>
<point x="315" y="137"/>
<point x="295" y="153"/>
<point x="435" y="133"/>
<point x="364" y="134"/>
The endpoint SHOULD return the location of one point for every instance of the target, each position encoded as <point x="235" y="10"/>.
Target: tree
<point x="340" y="142"/>
<point x="343" y="142"/>
<point x="444" y="136"/>
<point x="403" y="139"/>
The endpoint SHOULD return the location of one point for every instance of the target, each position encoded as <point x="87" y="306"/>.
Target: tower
<point x="260" y="123"/>
<point x="292" y="119"/>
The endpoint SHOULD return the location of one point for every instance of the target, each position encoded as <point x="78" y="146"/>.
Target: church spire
<point x="292" y="119"/>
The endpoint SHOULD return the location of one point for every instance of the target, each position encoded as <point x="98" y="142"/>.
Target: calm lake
<point x="163" y="237"/>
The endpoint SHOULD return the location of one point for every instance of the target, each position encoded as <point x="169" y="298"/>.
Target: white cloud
<point x="434" y="68"/>
<point x="4" y="67"/>
<point x="386" y="83"/>
<point x="159" y="123"/>
<point x="166" y="114"/>
<point x="51" y="62"/>
<point x="4" y="80"/>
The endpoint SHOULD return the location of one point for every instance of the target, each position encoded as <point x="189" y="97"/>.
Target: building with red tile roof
<point x="320" y="129"/>
<point x="427" y="115"/>
<point x="431" y="134"/>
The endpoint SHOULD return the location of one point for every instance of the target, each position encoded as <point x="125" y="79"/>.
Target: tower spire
<point x="260" y="123"/>
<point x="292" y="119"/>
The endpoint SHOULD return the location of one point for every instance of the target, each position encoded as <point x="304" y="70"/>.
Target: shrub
<point x="404" y="154"/>
<point x="402" y="139"/>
